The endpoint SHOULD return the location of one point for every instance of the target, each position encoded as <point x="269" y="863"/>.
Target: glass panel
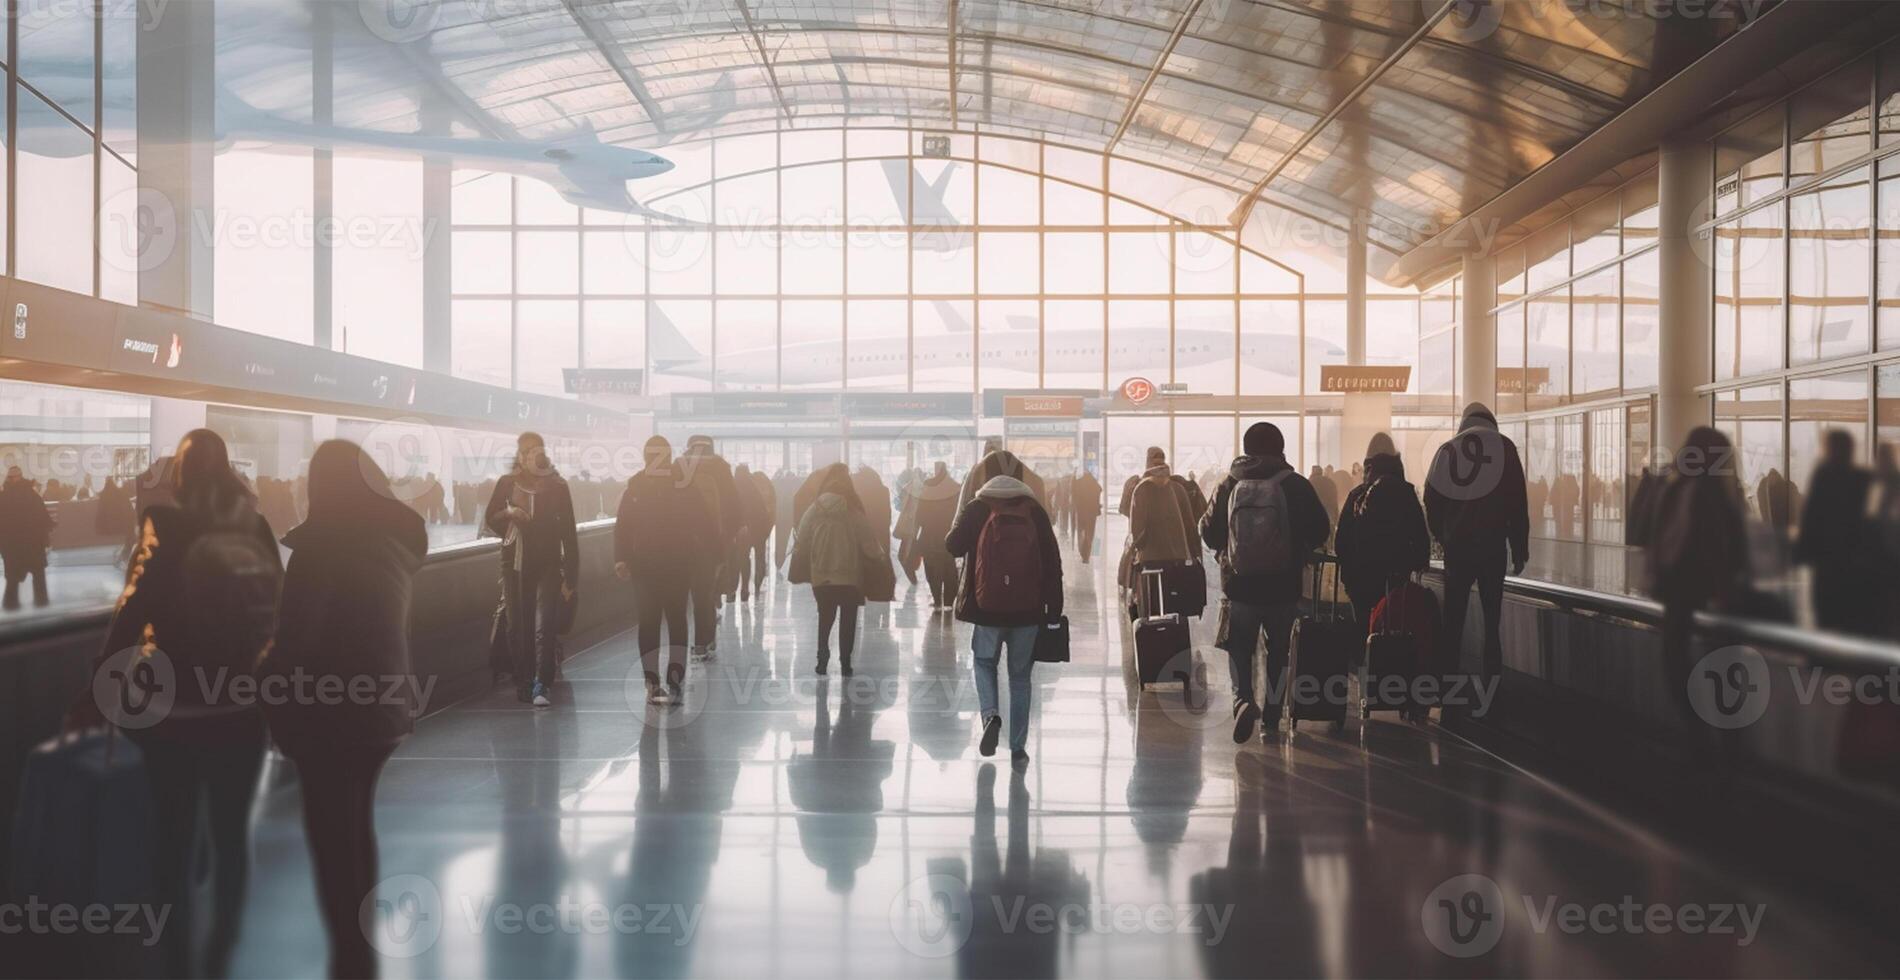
<point x="1887" y="256"/>
<point x="1888" y="94"/>
<point x="746" y="337"/>
<point x="1828" y="121"/>
<point x="1137" y="340"/>
<point x="1063" y="204"/>
<point x="1593" y="232"/>
<point x="943" y="345"/>
<point x="1640" y="213"/>
<point x="679" y="260"/>
<point x="1392" y="334"/>
<point x="54" y="198"/>
<point x="377" y="251"/>
<point x="1511" y="361"/>
<point x="1547" y="350"/>
<point x="1827" y="270"/>
<point x="679" y="345"/>
<point x="747" y="262"/>
<point x="1010" y="345"/>
<point x="614" y="333"/>
<point x="1072" y="344"/>
<point x="612" y="261"/>
<point x="875" y="192"/>
<point x="547" y="262"/>
<point x="481" y="198"/>
<point x="56" y="55"/>
<point x="1751" y="417"/>
<point x="877" y="263"/>
<point x="484" y="263"/>
<point x="1203" y="263"/>
<point x="1595" y="357"/>
<point x="480" y="335"/>
<point x="1009" y="262"/>
<point x="1748" y="164"/>
<point x="1887" y="426"/>
<point x="1006" y="197"/>
<point x="878" y="345"/>
<point x="118" y="232"/>
<point x="811" y="341"/>
<point x="1641" y="335"/>
<point x="1269" y="347"/>
<point x="1510" y="273"/>
<point x="944" y="262"/>
<point x="262" y="274"/>
<point x="812" y="195"/>
<point x="943" y="194"/>
<point x="1325" y="338"/>
<point x="118" y="78"/>
<point x="746" y="202"/>
<point x="1072" y="263"/>
<point x="1138" y="263"/>
<point x="1438" y="365"/>
<point x="1748" y="324"/>
<point x="1204" y="445"/>
<point x="547" y="340"/>
<point x="536" y="203"/>
<point x="1548" y="257"/>
<point x="1204" y="346"/>
<point x="813" y="260"/>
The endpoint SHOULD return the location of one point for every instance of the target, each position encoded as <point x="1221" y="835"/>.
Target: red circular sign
<point x="1138" y="390"/>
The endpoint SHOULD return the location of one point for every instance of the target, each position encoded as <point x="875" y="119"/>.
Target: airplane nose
<point x="657" y="165"/>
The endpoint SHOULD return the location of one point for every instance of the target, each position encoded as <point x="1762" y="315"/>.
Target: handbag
<point x="798" y="569"/>
<point x="1052" y="642"/>
<point x="877" y="578"/>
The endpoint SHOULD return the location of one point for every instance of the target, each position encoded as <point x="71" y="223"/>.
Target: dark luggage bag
<point x="1319" y="661"/>
<point x="1160" y="635"/>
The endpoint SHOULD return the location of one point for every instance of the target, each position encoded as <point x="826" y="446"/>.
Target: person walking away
<point x="935" y="504"/>
<point x="533" y="513"/>
<point x="905" y="531"/>
<point x="26" y="530"/>
<point x="1264" y="524"/>
<point x="1478" y="508"/>
<point x="1011" y="586"/>
<point x="785" y="490"/>
<point x="1381" y="539"/>
<point x="663" y="539"/>
<point x="1161" y="534"/>
<point x="345" y="615"/>
<point x="1697" y="553"/>
<point x="762" y="534"/>
<point x="1086" y="498"/>
<point x="1836" y="540"/>
<point x="996" y="462"/>
<point x="201" y="592"/>
<point x="833" y="543"/>
<point x="876" y="497"/>
<point x="709" y="474"/>
<point x="753" y="518"/>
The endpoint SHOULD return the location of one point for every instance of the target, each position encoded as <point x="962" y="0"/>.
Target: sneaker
<point x="1246" y="715"/>
<point x="541" y="696"/>
<point x="992" y="729"/>
<point x="656" y="694"/>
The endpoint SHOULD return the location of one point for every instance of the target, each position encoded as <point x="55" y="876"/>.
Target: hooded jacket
<point x="1306" y="520"/>
<point x="1475" y="498"/>
<point x="961" y="543"/>
<point x="935" y="504"/>
<point x="710" y="474"/>
<point x="345" y="613"/>
<point x="836" y="539"/>
<point x="1000" y="463"/>
<point x="1382" y="527"/>
<point x="663" y="529"/>
<point x="1160" y="517"/>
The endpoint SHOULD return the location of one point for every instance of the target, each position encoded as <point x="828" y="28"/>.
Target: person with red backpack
<point x="1382" y="537"/>
<point x="1010" y="587"/>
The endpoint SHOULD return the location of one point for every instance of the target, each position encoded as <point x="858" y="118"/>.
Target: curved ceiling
<point x="1405" y="114"/>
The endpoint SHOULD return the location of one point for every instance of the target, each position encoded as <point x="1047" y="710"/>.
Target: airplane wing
<point x="605" y="198"/>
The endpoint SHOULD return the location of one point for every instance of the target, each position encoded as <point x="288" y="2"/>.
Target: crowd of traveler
<point x="207" y="585"/>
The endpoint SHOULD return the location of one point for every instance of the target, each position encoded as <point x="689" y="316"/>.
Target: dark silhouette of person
<point x="533" y="511"/>
<point x="26" y="530"/>
<point x="1697" y="551"/>
<point x="663" y="538"/>
<point x="345" y="614"/>
<point x="1835" y="540"/>
<point x="1477" y="507"/>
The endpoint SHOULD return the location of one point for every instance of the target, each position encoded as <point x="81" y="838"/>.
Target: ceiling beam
<point x="765" y="59"/>
<point x="617" y="59"/>
<point x="953" y="63"/>
<point x="1245" y="207"/>
<point x="1161" y="61"/>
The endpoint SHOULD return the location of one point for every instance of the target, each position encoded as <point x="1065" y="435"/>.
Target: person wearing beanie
<point x="1382" y="537"/>
<point x="664" y="539"/>
<point x="1478" y="508"/>
<point x="1261" y="596"/>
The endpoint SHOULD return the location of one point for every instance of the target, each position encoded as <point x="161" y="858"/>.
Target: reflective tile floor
<point x="780" y="826"/>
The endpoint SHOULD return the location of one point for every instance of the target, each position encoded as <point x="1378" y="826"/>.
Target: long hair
<point x="837" y="479"/>
<point x="201" y="475"/>
<point x="528" y="446"/>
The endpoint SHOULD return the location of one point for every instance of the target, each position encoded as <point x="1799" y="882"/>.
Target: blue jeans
<point x="1241" y="624"/>
<point x="987" y="643"/>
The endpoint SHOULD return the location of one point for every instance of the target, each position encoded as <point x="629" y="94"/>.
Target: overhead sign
<point x="1138" y="391"/>
<point x="1043" y="406"/>
<point x="1354" y="378"/>
<point x="604" y="381"/>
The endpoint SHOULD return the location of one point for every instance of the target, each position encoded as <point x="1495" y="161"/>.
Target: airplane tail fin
<point x="668" y="345"/>
<point x="952" y="320"/>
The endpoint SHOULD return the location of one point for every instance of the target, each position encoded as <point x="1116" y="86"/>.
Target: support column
<point x="1478" y="332"/>
<point x="176" y="137"/>
<point x="323" y="185"/>
<point x="1683" y="187"/>
<point x="1362" y="413"/>
<point x="437" y="201"/>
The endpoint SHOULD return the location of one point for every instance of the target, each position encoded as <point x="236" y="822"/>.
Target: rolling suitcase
<point x="1160" y="635"/>
<point x="1319" y="661"/>
<point x="1391" y="663"/>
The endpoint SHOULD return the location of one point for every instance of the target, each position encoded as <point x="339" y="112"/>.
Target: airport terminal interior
<point x="857" y="488"/>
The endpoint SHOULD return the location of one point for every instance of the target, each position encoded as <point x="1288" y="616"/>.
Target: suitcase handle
<point x="1160" y="592"/>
